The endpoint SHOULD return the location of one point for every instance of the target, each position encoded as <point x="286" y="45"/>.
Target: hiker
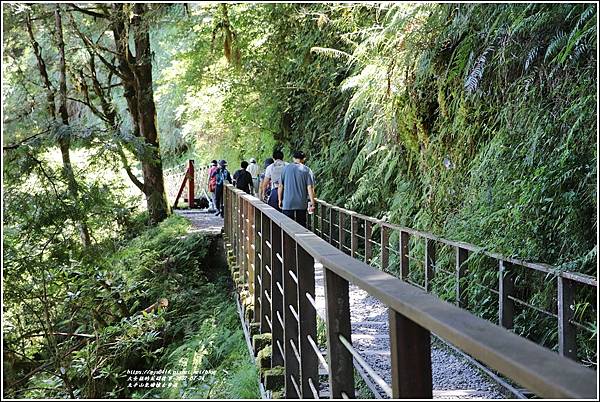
<point x="212" y="182"/>
<point x="242" y="179"/>
<point x="222" y="175"/>
<point x="273" y="177"/>
<point x="297" y="185"/>
<point x="254" y="171"/>
<point x="263" y="194"/>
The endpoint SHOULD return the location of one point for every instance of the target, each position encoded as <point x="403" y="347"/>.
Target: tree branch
<point x="18" y="144"/>
<point x="92" y="47"/>
<point x="87" y="11"/>
<point x="133" y="177"/>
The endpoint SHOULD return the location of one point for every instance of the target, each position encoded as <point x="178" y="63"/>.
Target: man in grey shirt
<point x="297" y="185"/>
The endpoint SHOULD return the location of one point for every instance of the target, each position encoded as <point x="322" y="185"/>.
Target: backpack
<point x="276" y="171"/>
<point x="212" y="182"/>
<point x="220" y="176"/>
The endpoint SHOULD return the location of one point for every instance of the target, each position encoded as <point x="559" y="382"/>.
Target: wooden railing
<point x="351" y="231"/>
<point x="277" y="257"/>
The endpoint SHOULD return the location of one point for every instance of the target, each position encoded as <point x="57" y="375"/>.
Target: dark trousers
<point x="274" y="199"/>
<point x="219" y="199"/>
<point x="299" y="215"/>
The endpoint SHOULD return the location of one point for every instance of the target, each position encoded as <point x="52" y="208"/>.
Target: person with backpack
<point x="242" y="179"/>
<point x="254" y="171"/>
<point x="263" y="194"/>
<point x="212" y="183"/>
<point x="273" y="178"/>
<point x="221" y="175"/>
<point x="296" y="187"/>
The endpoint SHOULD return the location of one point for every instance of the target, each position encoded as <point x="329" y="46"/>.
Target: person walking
<point x="212" y="183"/>
<point x="296" y="187"/>
<point x="243" y="179"/>
<point x="263" y="194"/>
<point x="222" y="175"/>
<point x="273" y="178"/>
<point x="254" y="171"/>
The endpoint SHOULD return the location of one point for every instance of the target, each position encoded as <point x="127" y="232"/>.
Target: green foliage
<point x="198" y="331"/>
<point x="471" y="121"/>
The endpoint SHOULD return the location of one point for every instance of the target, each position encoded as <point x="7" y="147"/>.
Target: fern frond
<point x="473" y="79"/>
<point x="531" y="56"/>
<point x="334" y="53"/>
<point x="555" y="44"/>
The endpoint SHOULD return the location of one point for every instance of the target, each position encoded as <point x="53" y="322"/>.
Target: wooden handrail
<point x="414" y="314"/>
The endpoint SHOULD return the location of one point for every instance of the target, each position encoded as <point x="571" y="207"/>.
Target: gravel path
<point x="453" y="376"/>
<point x="202" y="220"/>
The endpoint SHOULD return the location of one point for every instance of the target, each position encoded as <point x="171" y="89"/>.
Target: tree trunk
<point x="156" y="197"/>
<point x="65" y="141"/>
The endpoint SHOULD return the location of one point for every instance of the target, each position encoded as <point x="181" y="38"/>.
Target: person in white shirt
<point x="254" y="171"/>
<point x="273" y="178"/>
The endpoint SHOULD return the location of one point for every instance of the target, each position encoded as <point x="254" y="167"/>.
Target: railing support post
<point x="341" y="230"/>
<point x="461" y="271"/>
<point x="410" y="348"/>
<point x="243" y="241"/>
<point x="353" y="236"/>
<point x="265" y="276"/>
<point x="257" y="288"/>
<point x="429" y="263"/>
<point x="368" y="246"/>
<point x="385" y="253"/>
<point x="240" y="234"/>
<point x="276" y="296"/>
<point x="251" y="247"/>
<point x="321" y="233"/>
<point x="330" y="218"/>
<point x="190" y="173"/>
<point x="567" y="334"/>
<point x="506" y="306"/>
<point x="337" y="302"/>
<point x="404" y="261"/>
<point x="290" y="332"/>
<point x="309" y="368"/>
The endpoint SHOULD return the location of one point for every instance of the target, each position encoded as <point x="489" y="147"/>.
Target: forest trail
<point x="202" y="221"/>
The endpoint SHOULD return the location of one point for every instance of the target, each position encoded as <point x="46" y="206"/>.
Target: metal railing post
<point x="353" y="236"/>
<point x="567" y="334"/>
<point x="341" y="230"/>
<point x="404" y="261"/>
<point x="461" y="275"/>
<point x="368" y="245"/>
<point x="385" y="252"/>
<point x="429" y="263"/>
<point x="506" y="306"/>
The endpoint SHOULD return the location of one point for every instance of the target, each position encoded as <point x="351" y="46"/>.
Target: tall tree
<point x="64" y="140"/>
<point x="134" y="68"/>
